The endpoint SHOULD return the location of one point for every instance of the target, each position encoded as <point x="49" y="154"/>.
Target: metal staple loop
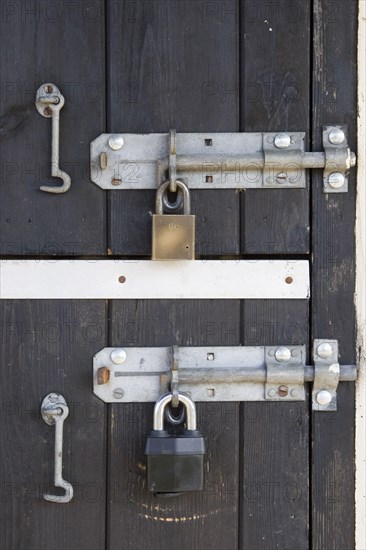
<point x="173" y="161"/>
<point x="175" y="377"/>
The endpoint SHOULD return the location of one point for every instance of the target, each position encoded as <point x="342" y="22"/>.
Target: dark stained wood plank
<point x="182" y="59"/>
<point x="174" y="65"/>
<point x="274" y="500"/>
<point x="201" y="520"/>
<point x="48" y="346"/>
<point x="61" y="43"/>
<point x="333" y="316"/>
<point x="275" y="69"/>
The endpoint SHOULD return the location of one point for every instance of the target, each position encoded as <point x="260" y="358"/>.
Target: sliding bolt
<point x="336" y="180"/>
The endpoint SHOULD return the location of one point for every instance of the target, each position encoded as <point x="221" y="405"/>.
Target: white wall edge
<point x="360" y="298"/>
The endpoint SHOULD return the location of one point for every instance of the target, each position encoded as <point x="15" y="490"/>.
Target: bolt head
<point x="336" y="180"/>
<point x="210" y="356"/>
<point x="118" y="393"/>
<point x="323" y="397"/>
<point x="283" y="354"/>
<point x="116" y="142"/>
<point x="118" y="356"/>
<point x="282" y="141"/>
<point x="336" y="136"/>
<point x="324" y="350"/>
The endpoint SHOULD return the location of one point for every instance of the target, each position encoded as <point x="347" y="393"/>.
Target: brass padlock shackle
<point x="164" y="400"/>
<point x="160" y="201"/>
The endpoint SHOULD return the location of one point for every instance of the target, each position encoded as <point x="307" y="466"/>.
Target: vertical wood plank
<point x="62" y="43"/>
<point x="275" y="60"/>
<point x="173" y="64"/>
<point x="48" y="346"/>
<point x="333" y="316"/>
<point x="207" y="519"/>
<point x="275" y="69"/>
<point x="274" y="503"/>
<point x="179" y="61"/>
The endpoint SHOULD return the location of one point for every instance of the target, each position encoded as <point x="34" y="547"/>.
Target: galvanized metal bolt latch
<point x="272" y="373"/>
<point x="49" y="102"/>
<point x="219" y="160"/>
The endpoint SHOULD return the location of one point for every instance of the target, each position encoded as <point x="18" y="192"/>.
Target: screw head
<point x="118" y="393"/>
<point x="336" y="180"/>
<point x="210" y="356"/>
<point x="283" y="354"/>
<point x="324" y="350"/>
<point x="283" y="391"/>
<point x="282" y="141"/>
<point x="271" y="393"/>
<point x="118" y="356"/>
<point x="336" y="136"/>
<point x="53" y="397"/>
<point x="281" y="177"/>
<point x="323" y="397"/>
<point x="116" y="142"/>
<point x="295" y="393"/>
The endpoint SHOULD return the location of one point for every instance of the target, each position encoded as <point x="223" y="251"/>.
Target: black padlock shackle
<point x="160" y="202"/>
<point x="164" y="400"/>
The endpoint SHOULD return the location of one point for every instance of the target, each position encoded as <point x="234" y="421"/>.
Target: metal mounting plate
<point x="221" y="373"/>
<point x="140" y="161"/>
<point x="146" y="279"/>
<point x="143" y="374"/>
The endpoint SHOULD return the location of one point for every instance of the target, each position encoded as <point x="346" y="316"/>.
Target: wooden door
<point x="276" y="475"/>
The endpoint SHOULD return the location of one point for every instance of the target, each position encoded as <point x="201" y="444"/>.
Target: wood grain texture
<point x="48" y="346"/>
<point x="274" y="499"/>
<point x="62" y="43"/>
<point x="207" y="519"/>
<point x="173" y="64"/>
<point x="275" y="69"/>
<point x="180" y="57"/>
<point x="333" y="316"/>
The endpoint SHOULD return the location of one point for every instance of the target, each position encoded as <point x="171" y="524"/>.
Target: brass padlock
<point x="173" y="235"/>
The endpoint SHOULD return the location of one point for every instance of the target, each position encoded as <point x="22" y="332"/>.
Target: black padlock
<point x="175" y="460"/>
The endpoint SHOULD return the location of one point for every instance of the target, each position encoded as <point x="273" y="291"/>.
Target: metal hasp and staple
<point x="219" y="160"/>
<point x="261" y="373"/>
